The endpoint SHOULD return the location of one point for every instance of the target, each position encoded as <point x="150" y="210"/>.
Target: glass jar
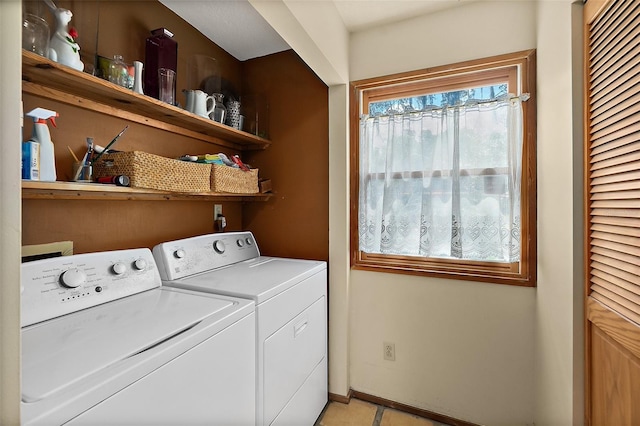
<point x="35" y="35"/>
<point x="219" y="112"/>
<point x="256" y="114"/>
<point x="118" y="71"/>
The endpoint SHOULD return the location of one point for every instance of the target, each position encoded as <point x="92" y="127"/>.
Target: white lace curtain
<point x="443" y="183"/>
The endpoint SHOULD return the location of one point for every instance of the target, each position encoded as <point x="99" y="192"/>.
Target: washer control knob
<point x="179" y="253"/>
<point x="240" y="243"/>
<point x="218" y="246"/>
<point x="249" y="241"/>
<point x="140" y="264"/>
<point x="72" y="278"/>
<point x="119" y="268"/>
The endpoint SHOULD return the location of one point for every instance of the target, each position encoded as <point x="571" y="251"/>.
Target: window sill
<point x="495" y="273"/>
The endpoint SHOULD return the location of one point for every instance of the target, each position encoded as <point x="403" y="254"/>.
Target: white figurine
<point x="63" y="48"/>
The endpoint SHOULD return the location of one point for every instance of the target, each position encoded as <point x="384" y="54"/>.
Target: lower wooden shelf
<point x="96" y="191"/>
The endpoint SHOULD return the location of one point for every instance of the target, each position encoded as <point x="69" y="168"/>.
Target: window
<point x="443" y="171"/>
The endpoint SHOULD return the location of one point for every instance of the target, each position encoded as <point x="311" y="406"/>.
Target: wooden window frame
<point x="517" y="69"/>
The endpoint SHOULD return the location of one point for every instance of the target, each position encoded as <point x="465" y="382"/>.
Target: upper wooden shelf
<point x="45" y="73"/>
<point x="96" y="191"/>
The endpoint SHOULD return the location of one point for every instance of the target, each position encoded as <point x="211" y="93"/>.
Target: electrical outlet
<point x="217" y="211"/>
<point x="389" y="351"/>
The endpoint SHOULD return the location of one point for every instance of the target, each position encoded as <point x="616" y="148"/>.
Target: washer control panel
<point x="189" y="256"/>
<point x="61" y="285"/>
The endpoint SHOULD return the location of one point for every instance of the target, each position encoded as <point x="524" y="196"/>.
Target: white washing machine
<point x="104" y="343"/>
<point x="291" y="316"/>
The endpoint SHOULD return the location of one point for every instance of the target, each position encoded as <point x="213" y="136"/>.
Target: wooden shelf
<point x="95" y="191"/>
<point x="49" y="79"/>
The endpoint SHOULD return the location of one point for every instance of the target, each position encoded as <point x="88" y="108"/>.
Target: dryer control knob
<point x="179" y="253"/>
<point x="119" y="268"/>
<point x="218" y="246"/>
<point x="140" y="264"/>
<point x="249" y="241"/>
<point x="72" y="278"/>
<point x="240" y="243"/>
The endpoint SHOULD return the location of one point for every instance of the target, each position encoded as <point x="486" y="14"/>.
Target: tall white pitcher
<point x="199" y="102"/>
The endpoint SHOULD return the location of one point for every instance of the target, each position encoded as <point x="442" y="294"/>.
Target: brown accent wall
<point x="110" y="27"/>
<point x="295" y="222"/>
<point x="109" y="225"/>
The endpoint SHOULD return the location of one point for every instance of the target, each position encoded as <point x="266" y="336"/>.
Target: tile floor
<point x="361" y="413"/>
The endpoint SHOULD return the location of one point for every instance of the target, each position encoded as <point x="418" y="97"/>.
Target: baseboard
<point x="341" y="398"/>
<point x="406" y="408"/>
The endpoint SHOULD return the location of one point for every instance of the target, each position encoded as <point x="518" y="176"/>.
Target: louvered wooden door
<point x="612" y="334"/>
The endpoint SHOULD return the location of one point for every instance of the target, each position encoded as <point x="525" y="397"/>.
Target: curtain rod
<point x="523" y="97"/>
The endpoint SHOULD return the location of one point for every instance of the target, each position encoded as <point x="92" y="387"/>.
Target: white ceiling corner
<point x="240" y="30"/>
<point x="234" y="25"/>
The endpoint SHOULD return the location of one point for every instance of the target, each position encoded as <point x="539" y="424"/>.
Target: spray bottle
<point x="42" y="136"/>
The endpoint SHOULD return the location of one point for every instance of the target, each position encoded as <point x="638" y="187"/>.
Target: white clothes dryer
<point x="104" y="343"/>
<point x="291" y="316"/>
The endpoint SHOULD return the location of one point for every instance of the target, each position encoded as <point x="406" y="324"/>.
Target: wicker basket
<point x="230" y="179"/>
<point x="155" y="172"/>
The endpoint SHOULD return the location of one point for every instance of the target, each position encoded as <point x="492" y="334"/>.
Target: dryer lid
<point x="62" y="352"/>
<point x="259" y="279"/>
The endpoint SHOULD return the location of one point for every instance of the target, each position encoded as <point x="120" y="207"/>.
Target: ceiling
<point x="359" y="15"/>
<point x="239" y="29"/>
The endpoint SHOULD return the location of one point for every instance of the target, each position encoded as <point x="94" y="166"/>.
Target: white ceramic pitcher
<point x="199" y="102"/>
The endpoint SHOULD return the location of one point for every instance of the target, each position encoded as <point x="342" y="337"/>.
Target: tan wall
<point x="463" y="349"/>
<point x="559" y="298"/>
<point x="323" y="44"/>
<point x="9" y="213"/>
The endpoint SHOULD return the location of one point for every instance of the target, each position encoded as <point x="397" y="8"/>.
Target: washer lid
<point x="62" y="352"/>
<point x="258" y="279"/>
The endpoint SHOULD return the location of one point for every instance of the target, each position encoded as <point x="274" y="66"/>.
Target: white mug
<point x="199" y="102"/>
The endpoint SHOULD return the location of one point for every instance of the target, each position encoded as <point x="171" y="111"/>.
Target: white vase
<point x="137" y="77"/>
